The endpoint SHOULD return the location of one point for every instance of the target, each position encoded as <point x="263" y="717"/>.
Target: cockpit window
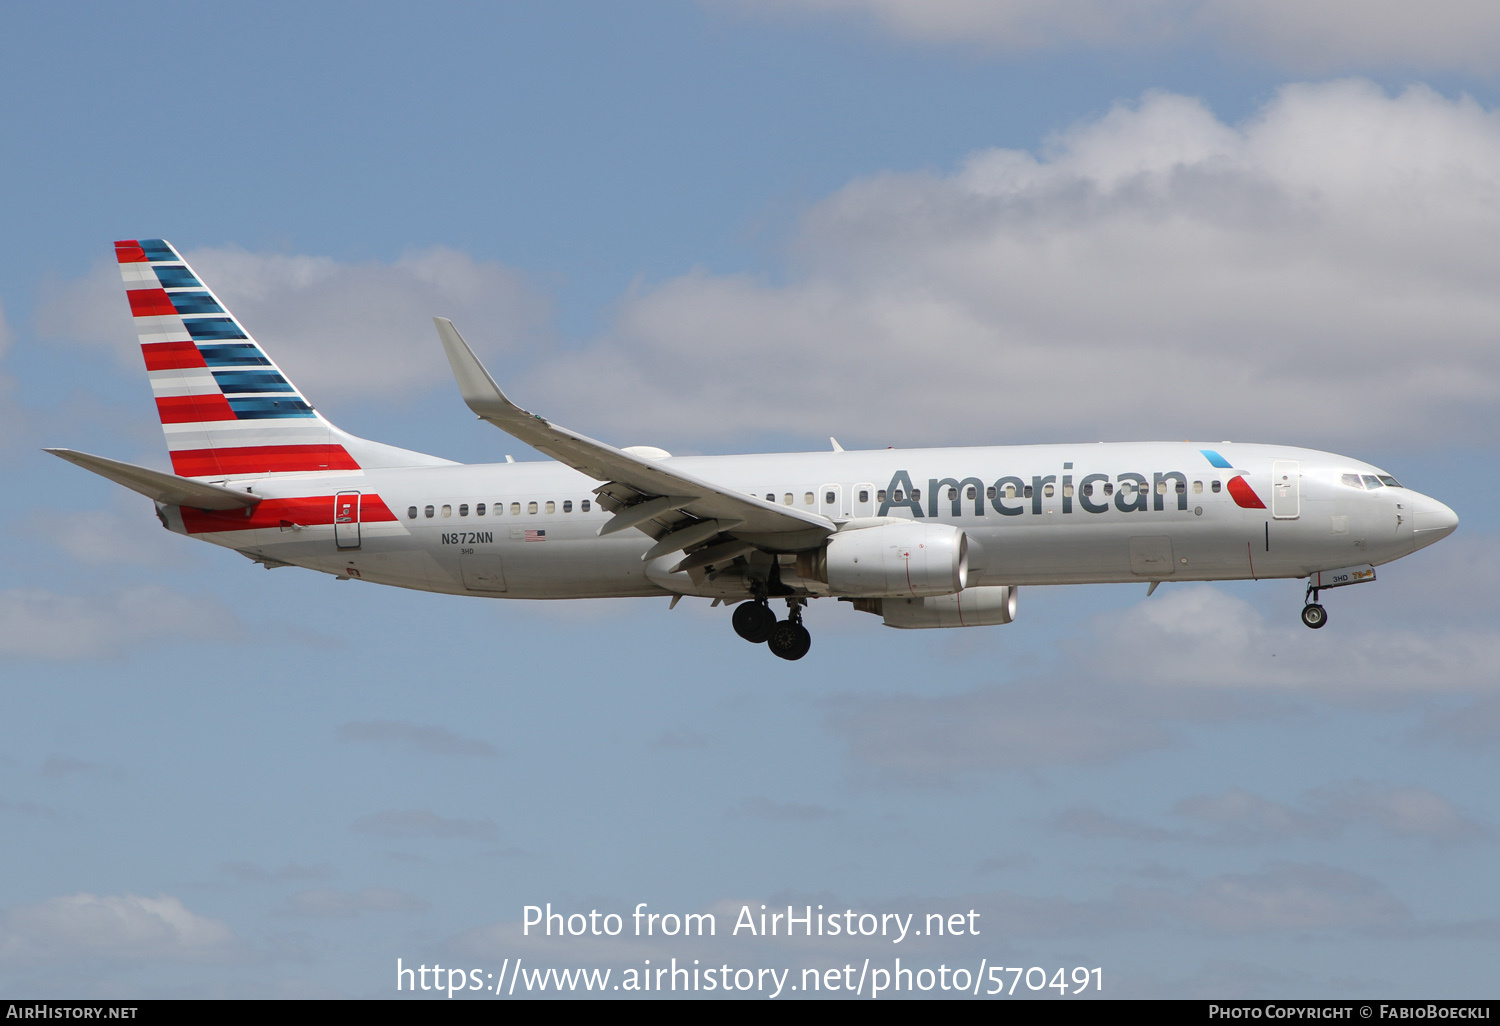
<point x="1352" y="480"/>
<point x="1389" y="481"/>
<point x="1372" y="482"/>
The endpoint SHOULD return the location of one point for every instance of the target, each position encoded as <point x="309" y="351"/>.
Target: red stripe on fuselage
<point x="311" y="511"/>
<point x="128" y="251"/>
<point x="150" y="303"/>
<point x="194" y="409"/>
<point x="1244" y="496"/>
<point x="261" y="459"/>
<point x="171" y="355"/>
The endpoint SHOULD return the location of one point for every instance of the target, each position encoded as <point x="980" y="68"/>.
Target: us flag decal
<point x="536" y="535"/>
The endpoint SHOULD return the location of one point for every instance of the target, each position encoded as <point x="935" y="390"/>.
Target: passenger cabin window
<point x="1214" y="487"/>
<point x="898" y="496"/>
<point x="828" y="498"/>
<point x="972" y="492"/>
<point x="428" y="511"/>
<point x="1181" y="488"/>
<point x="786" y="499"/>
<point x="531" y="507"/>
<point x="1026" y="491"/>
<point x="1010" y="491"/>
<point x="864" y="495"/>
<point x="515" y="508"/>
<point x="411" y="512"/>
<point x="952" y="493"/>
<point x="989" y="493"/>
<point x="551" y="506"/>
<point x="447" y="510"/>
<point x="1047" y="491"/>
<point x="584" y="505"/>
<point x="916" y="495"/>
<point x="880" y="495"/>
<point x="770" y="496"/>
<point x="463" y="510"/>
<point x="1109" y="489"/>
<point x="1067" y="491"/>
<point x="1161" y="488"/>
<point x="807" y="499"/>
<point x="567" y="505"/>
<point x="1088" y="490"/>
<point x="479" y="509"/>
<point x="1197" y="487"/>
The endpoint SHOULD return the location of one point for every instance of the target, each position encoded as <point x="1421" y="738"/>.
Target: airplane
<point x="923" y="538"/>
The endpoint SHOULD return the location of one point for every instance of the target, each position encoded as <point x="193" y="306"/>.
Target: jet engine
<point x="907" y="560"/>
<point x="987" y="606"/>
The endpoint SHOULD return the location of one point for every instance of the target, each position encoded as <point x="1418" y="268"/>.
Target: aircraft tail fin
<point x="226" y="408"/>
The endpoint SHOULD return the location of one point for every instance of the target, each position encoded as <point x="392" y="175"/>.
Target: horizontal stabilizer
<point x="167" y="488"/>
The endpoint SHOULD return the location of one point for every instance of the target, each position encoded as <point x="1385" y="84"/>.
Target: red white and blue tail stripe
<point x="226" y="408"/>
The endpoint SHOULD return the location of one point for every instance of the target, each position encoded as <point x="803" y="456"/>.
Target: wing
<point x="677" y="509"/>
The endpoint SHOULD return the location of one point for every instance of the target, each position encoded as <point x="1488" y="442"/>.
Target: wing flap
<point x="603" y="462"/>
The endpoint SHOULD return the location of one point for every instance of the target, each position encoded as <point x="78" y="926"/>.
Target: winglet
<point x="479" y="390"/>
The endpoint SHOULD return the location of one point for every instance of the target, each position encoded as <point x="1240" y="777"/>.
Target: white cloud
<point x="40" y="624"/>
<point x="1319" y="35"/>
<point x="341" y="331"/>
<point x="1288" y="896"/>
<point x="1154" y="273"/>
<point x="1199" y="636"/>
<point x="127" y="927"/>
<point x="132" y="536"/>
<point x="1309" y="35"/>
<point x="1407" y="811"/>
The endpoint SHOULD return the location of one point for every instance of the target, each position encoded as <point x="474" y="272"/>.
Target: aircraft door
<point x="831" y="500"/>
<point x="1286" y="489"/>
<point x="346" y="520"/>
<point x="862" y="498"/>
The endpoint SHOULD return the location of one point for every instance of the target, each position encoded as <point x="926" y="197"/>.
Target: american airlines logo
<point x="1013" y="496"/>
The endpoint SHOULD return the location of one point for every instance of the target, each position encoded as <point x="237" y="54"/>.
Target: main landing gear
<point x="1313" y="614"/>
<point x="787" y="638"/>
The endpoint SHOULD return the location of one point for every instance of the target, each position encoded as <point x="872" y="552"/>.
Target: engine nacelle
<point x="908" y="560"/>
<point x="989" y="606"/>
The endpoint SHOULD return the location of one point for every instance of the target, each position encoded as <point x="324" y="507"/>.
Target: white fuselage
<point x="1038" y="514"/>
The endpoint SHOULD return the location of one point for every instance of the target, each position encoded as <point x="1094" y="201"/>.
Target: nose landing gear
<point x="1313" y="614"/>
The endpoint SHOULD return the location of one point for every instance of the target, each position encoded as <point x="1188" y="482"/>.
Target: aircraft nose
<point x="1431" y="520"/>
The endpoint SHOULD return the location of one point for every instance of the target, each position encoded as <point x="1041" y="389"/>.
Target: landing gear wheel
<point x="754" y="621"/>
<point x="1314" y="615"/>
<point x="789" y="640"/>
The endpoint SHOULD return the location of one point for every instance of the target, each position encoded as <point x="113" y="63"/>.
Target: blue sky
<point x="726" y="227"/>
